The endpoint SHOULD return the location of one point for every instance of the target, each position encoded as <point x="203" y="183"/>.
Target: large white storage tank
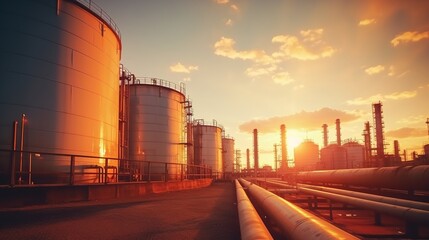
<point x="157" y="126"/>
<point x="228" y="154"/>
<point x="59" y="67"/>
<point x="208" y="146"/>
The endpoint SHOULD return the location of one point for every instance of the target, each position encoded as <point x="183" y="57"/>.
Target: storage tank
<point x="228" y="154"/>
<point x="157" y="126"/>
<point x="355" y="154"/>
<point x="333" y="157"/>
<point x="208" y="146"/>
<point x="306" y="155"/>
<point x="59" y="67"/>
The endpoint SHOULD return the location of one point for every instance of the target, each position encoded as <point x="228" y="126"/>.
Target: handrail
<point x="251" y="224"/>
<point x="73" y="162"/>
<point x="159" y="82"/>
<point x="294" y="222"/>
<point x="97" y="10"/>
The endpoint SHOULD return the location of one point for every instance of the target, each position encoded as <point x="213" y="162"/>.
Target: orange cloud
<point x="374" y="70"/>
<point x="225" y="47"/>
<point x="180" y="68"/>
<point x="303" y="120"/>
<point x="222" y="1"/>
<point x="234" y="7"/>
<point x="366" y="22"/>
<point x="409" y="37"/>
<point x="406" y="133"/>
<point x="282" y="78"/>
<point x="310" y="46"/>
<point x="380" y="97"/>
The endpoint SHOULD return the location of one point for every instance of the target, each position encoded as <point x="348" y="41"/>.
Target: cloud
<point x="257" y="71"/>
<point x="282" y="78"/>
<point x="374" y="70"/>
<point x="234" y="7"/>
<point x="303" y="120"/>
<point x="366" y="22"/>
<point x="420" y="119"/>
<point x="225" y="47"/>
<point x="222" y="1"/>
<point x="228" y="22"/>
<point x="383" y="98"/>
<point x="298" y="87"/>
<point x="406" y="133"/>
<point x="309" y="46"/>
<point x="180" y="68"/>
<point x="409" y="37"/>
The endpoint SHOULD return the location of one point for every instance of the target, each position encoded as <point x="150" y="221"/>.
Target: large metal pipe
<point x="251" y="225"/>
<point x="338" y="128"/>
<point x="404" y="177"/>
<point x="294" y="222"/>
<point x="406" y="213"/>
<point x="372" y="197"/>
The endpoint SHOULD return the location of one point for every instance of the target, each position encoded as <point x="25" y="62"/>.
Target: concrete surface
<point x="205" y="213"/>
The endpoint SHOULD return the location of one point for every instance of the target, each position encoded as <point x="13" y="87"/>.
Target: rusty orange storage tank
<point x="59" y="67"/>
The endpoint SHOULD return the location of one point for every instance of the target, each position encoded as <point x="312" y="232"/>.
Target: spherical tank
<point x="228" y="154"/>
<point x="157" y="124"/>
<point x="306" y="155"/>
<point x="59" y="65"/>
<point x="208" y="147"/>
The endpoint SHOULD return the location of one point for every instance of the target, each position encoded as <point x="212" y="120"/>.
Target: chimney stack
<point x="337" y="124"/>
<point x="284" y="150"/>
<point x="255" y="148"/>
<point x="325" y="135"/>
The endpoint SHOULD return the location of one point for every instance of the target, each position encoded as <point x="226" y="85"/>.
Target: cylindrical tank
<point x="333" y="157"/>
<point x="59" y="67"/>
<point x="228" y="154"/>
<point x="306" y="155"/>
<point x="355" y="154"/>
<point x="208" y="146"/>
<point x="157" y="125"/>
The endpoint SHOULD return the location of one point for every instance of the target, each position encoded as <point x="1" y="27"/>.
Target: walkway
<point x="206" y="213"/>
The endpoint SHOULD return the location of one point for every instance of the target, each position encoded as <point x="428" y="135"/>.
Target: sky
<point x="259" y="64"/>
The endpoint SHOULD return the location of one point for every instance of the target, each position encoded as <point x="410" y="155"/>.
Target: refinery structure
<point x="72" y="114"/>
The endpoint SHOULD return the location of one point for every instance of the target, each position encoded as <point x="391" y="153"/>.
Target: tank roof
<point x="159" y="82"/>
<point x="101" y="14"/>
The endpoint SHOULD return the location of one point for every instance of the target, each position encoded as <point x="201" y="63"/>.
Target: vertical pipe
<point x="378" y="119"/>
<point x="337" y="124"/>
<point x="325" y="135"/>
<point x="72" y="165"/>
<point x="247" y="159"/>
<point x="275" y="157"/>
<point x="21" y="147"/>
<point x="13" y="155"/>
<point x="284" y="165"/>
<point x="106" y="170"/>
<point x="30" y="163"/>
<point x="255" y="149"/>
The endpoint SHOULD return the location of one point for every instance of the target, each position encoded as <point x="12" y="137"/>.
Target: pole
<point x="21" y="147"/>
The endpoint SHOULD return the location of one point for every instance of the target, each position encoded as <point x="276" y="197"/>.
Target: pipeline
<point x="372" y="197"/>
<point x="294" y="222"/>
<point x="403" y="177"/>
<point x="251" y="225"/>
<point x="406" y="213"/>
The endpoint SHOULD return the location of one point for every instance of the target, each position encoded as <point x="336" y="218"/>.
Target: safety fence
<point x="37" y="168"/>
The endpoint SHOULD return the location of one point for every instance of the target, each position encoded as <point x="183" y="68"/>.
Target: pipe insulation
<point x="294" y="222"/>
<point x="406" y="213"/>
<point x="372" y="197"/>
<point x="251" y="225"/>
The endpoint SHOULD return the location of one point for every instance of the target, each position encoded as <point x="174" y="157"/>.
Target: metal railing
<point x="97" y="10"/>
<point x="160" y="82"/>
<point x="37" y="168"/>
